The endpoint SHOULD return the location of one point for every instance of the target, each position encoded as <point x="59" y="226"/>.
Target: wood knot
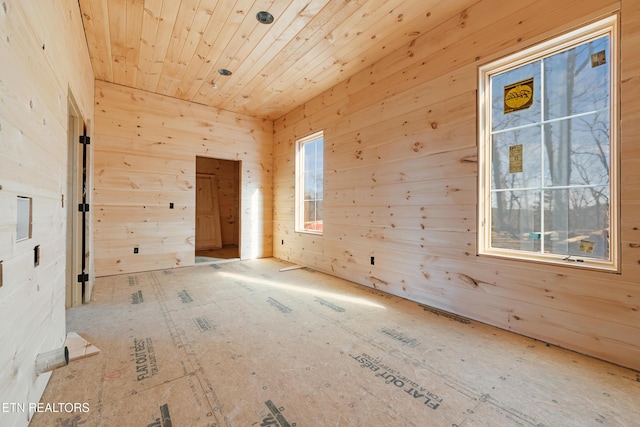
<point x="470" y="280"/>
<point x="434" y="125"/>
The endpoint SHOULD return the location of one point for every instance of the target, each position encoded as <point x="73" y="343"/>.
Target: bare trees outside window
<point x="547" y="151"/>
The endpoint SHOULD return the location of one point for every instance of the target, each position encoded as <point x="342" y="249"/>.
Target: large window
<point x="309" y="183"/>
<point x="548" y="157"/>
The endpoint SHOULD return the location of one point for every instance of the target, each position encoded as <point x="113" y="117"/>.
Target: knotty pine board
<point x="214" y="39"/>
<point x="145" y="157"/>
<point x="404" y="68"/>
<point x="101" y="65"/>
<point x="298" y="26"/>
<point x="410" y="120"/>
<point x="45" y="59"/>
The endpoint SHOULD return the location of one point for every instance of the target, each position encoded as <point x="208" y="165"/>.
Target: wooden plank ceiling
<point x="176" y="47"/>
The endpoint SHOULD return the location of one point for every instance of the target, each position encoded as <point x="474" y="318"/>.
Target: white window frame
<point x="299" y="185"/>
<point x="607" y="26"/>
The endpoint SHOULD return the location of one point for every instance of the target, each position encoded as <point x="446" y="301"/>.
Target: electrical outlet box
<point x="373" y="260"/>
<point x="135" y="250"/>
<point x="171" y="205"/>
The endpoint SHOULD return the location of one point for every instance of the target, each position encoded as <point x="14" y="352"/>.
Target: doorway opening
<point x="217" y="210"/>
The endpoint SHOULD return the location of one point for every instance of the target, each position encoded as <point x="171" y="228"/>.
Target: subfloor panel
<point x="242" y="344"/>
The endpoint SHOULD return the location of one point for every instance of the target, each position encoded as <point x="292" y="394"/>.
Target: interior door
<point x="208" y="232"/>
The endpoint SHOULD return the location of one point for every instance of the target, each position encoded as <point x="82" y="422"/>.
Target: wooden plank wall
<point x="44" y="56"/>
<point x="400" y="184"/>
<point x="145" y="158"/>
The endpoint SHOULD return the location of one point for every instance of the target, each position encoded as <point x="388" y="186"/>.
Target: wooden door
<point x="208" y="232"/>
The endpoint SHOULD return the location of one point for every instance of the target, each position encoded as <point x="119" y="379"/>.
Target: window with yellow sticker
<point x="548" y="151"/>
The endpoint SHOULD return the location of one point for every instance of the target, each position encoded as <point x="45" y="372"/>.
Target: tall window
<point x="309" y="183"/>
<point x="548" y="157"/>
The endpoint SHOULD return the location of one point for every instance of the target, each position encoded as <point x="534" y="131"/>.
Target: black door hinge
<point x="85" y="140"/>
<point x="83" y="207"/>
<point x="84" y="277"/>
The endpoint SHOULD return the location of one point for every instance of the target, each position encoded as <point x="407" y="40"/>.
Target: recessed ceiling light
<point x="264" y="17"/>
<point x="224" y="72"/>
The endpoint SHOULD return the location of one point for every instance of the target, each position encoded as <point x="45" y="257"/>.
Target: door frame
<point x="78" y="226"/>
<point x="238" y="191"/>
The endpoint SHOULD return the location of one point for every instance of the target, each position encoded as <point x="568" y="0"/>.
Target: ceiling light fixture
<point x="264" y="17"/>
<point x="224" y="72"/>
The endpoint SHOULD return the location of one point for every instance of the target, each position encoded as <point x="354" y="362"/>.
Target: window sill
<point x="573" y="261"/>
<point x="312" y="232"/>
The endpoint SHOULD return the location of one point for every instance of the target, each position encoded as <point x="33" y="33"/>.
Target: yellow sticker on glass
<point x="515" y="158"/>
<point x="518" y="96"/>
<point x="586" y="246"/>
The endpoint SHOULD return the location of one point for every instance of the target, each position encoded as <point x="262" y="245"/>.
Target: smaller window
<point x="24" y="219"/>
<point x="309" y="183"/>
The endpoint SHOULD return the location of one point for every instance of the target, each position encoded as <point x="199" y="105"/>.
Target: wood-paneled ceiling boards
<point x="176" y="48"/>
